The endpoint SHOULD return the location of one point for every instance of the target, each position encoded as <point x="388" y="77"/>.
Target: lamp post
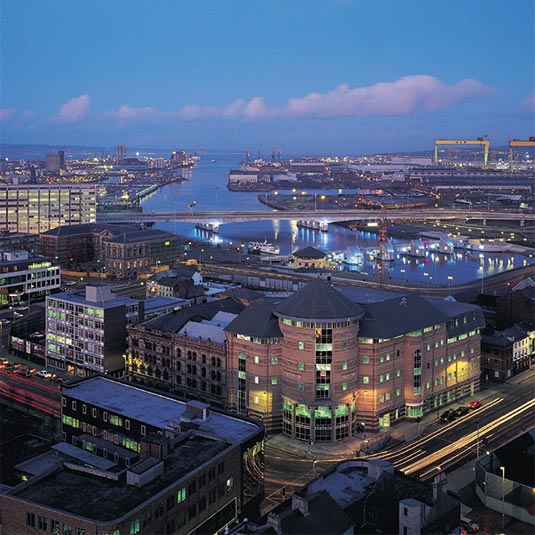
<point x="502" y="468"/>
<point x="202" y="251"/>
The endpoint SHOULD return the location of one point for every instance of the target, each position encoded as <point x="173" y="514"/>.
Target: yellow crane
<point x="478" y="141"/>
<point x="519" y="143"/>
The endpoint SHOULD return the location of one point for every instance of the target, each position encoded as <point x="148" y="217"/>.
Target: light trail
<point x="403" y="450"/>
<point x="440" y="456"/>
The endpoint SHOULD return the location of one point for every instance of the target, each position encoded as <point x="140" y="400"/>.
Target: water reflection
<point x="206" y="185"/>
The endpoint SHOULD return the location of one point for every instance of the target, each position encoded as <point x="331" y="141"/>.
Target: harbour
<point x="205" y="190"/>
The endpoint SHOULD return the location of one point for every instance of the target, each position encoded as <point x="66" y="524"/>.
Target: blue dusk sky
<point x="311" y="76"/>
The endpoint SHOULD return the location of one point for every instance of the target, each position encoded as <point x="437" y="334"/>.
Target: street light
<point x="502" y="468"/>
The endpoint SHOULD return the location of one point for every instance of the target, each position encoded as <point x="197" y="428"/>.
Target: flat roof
<point x="102" y="499"/>
<point x="154" y="409"/>
<point x="78" y="297"/>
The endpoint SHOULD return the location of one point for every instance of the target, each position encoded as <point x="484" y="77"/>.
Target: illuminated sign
<point x="39" y="265"/>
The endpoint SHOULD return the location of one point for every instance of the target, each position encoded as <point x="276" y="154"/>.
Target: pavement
<point x="403" y="431"/>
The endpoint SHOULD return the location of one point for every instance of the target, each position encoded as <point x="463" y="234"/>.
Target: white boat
<point x="263" y="247"/>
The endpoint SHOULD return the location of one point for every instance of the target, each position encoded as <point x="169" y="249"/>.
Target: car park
<point x="447" y="416"/>
<point x="461" y="411"/>
<point x="475" y="404"/>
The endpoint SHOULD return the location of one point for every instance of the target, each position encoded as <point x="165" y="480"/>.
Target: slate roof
<point x="309" y="252"/>
<point x="175" y="320"/>
<point x="256" y="320"/>
<point x="394" y="317"/>
<point x="140" y="235"/>
<point x="88" y="228"/>
<point x="318" y="301"/>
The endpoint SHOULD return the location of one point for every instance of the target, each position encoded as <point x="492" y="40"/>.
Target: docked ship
<point x="259" y="247"/>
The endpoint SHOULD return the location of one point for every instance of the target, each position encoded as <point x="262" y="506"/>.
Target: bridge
<point x="322" y="216"/>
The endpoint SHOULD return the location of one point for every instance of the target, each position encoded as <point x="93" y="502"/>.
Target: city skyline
<point x="335" y="77"/>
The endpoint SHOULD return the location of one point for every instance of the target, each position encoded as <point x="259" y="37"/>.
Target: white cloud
<point x="129" y="112"/>
<point x="409" y="94"/>
<point x="75" y="109"/>
<point x="406" y="96"/>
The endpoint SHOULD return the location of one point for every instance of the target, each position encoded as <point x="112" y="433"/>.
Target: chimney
<point x="300" y="502"/>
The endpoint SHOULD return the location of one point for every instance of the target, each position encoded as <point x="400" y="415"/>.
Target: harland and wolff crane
<point x="519" y="143"/>
<point x="478" y="141"/>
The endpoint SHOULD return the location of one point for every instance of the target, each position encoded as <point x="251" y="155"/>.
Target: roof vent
<point x="403" y="302"/>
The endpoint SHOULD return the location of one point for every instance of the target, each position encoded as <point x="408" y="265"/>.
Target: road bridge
<point x="322" y="216"/>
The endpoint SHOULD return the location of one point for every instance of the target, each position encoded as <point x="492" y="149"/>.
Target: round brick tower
<point x="319" y="363"/>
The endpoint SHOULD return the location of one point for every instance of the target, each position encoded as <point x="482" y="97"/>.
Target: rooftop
<point x="175" y="320"/>
<point x="104" y="500"/>
<point x="318" y="301"/>
<point x="153" y="409"/>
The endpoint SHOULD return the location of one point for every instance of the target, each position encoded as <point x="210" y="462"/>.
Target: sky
<point x="305" y="76"/>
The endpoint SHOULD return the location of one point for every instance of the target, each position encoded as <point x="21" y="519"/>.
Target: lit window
<point x="366" y="379"/>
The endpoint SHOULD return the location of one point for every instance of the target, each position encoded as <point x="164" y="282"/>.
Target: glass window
<point x="366" y="379"/>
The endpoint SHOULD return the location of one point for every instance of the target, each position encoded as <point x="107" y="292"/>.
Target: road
<point x="441" y="448"/>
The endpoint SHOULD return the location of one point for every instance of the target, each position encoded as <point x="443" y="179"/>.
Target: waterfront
<point x="206" y="186"/>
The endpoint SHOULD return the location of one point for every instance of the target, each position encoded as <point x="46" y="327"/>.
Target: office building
<point x="37" y="208"/>
<point x="86" y="331"/>
<point x="319" y="365"/>
<point x="55" y="162"/>
<point x="119" y="251"/>
<point x="141" y="462"/>
<point x="185" y="351"/>
<point x="25" y="278"/>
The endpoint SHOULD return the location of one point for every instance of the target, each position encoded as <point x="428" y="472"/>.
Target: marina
<point x="205" y="190"/>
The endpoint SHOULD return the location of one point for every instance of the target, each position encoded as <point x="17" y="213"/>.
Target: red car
<point x="475" y="404"/>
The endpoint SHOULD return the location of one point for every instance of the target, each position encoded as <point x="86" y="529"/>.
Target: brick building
<point x="318" y="365"/>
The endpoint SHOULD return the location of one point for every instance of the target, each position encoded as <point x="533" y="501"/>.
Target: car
<point x="58" y="379"/>
<point x="461" y="411"/>
<point x="475" y="404"/>
<point x="44" y="373"/>
<point x="447" y="416"/>
<point x="469" y="525"/>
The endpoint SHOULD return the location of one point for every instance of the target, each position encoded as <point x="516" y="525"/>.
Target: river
<point x="206" y="185"/>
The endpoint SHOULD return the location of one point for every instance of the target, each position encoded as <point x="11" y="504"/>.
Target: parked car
<point x="475" y="404"/>
<point x="447" y="416"/>
<point x="44" y="373"/>
<point x="471" y="527"/>
<point x="461" y="411"/>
